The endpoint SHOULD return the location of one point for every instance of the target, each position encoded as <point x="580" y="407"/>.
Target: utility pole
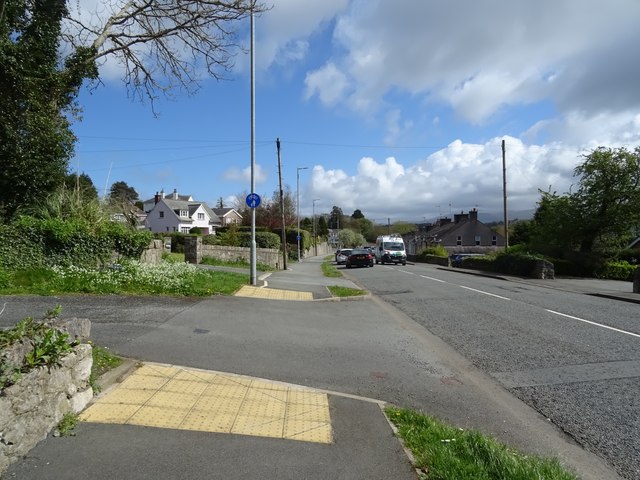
<point x="315" y="239"/>
<point x="284" y="225"/>
<point x="504" y="197"/>
<point x="298" y="204"/>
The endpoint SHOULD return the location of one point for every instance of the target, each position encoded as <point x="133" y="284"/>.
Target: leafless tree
<point x="159" y="45"/>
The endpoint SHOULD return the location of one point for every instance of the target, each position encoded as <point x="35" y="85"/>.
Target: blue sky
<point x="397" y="108"/>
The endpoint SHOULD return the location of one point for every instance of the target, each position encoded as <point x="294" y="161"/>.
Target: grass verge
<point x="329" y="269"/>
<point x="444" y="452"/>
<point x="338" y="291"/>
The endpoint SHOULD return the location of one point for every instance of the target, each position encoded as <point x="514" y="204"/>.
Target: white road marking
<point x="485" y="293"/>
<point x="593" y="323"/>
<point x="405" y="271"/>
<point x="434" y="279"/>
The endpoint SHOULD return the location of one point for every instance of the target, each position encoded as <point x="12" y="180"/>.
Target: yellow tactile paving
<point x="188" y="399"/>
<point x="272" y="293"/>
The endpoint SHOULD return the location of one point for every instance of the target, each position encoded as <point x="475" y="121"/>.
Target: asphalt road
<point x="574" y="358"/>
<point x="367" y="348"/>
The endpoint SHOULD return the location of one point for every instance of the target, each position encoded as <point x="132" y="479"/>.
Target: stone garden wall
<point x="35" y="404"/>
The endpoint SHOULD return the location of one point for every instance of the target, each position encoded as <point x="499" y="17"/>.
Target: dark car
<point x="359" y="257"/>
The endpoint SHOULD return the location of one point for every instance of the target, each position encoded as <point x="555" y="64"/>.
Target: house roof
<point x="190" y="207"/>
<point x="223" y="212"/>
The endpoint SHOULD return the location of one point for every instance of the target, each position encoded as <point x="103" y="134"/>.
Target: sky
<point x="395" y="108"/>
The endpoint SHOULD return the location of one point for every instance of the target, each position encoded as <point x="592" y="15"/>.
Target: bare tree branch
<point x="163" y="45"/>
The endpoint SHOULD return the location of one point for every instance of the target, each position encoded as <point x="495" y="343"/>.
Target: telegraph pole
<point x="284" y="232"/>
<point x="504" y="197"/>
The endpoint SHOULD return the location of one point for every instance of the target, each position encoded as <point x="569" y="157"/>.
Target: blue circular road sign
<point x="253" y="200"/>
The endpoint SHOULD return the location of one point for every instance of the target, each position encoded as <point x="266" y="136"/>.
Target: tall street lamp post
<point x="315" y="240"/>
<point x="298" y="203"/>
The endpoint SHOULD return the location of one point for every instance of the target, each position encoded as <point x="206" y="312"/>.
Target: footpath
<point x="160" y="419"/>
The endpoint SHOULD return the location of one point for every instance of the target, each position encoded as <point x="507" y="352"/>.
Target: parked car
<point x="359" y="257"/>
<point x="341" y="256"/>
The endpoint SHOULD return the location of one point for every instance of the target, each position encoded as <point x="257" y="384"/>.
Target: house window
<point x="167" y="229"/>
<point x="459" y="240"/>
<point x="201" y="216"/>
<point x="184" y="229"/>
<point x="477" y="239"/>
<point x="494" y="240"/>
<point x="161" y="214"/>
<point x="184" y="213"/>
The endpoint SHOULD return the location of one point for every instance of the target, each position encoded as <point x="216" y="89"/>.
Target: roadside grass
<point x="103" y="361"/>
<point x="338" y="291"/>
<point x="444" y="452"/>
<point x="132" y="278"/>
<point x="171" y="257"/>
<point x="329" y="269"/>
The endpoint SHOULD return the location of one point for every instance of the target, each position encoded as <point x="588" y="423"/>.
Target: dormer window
<point x="184" y="213"/>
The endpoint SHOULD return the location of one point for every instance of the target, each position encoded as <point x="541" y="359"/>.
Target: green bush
<point x="17" y="250"/>
<point x="437" y="251"/>
<point x="31" y="243"/>
<point x="123" y="240"/>
<point x="620" y="270"/>
<point x="263" y="240"/>
<point x="519" y="264"/>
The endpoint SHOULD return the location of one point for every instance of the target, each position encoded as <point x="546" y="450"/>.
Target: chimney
<point x="156" y="198"/>
<point x="175" y="194"/>
<point x="459" y="217"/>
<point x="473" y="214"/>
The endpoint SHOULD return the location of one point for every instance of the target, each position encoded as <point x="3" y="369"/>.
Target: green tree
<point x="556" y="224"/>
<point x="403" y="227"/>
<point x="306" y="224"/>
<point x="121" y="193"/>
<point x="37" y="101"/>
<point x="347" y="238"/>
<point x="220" y="203"/>
<point x="520" y="232"/>
<point x="336" y="219"/>
<point x="162" y="47"/>
<point x="608" y="197"/>
<point x="321" y="227"/>
<point x="601" y="214"/>
<point x="82" y="185"/>
<point x="357" y="215"/>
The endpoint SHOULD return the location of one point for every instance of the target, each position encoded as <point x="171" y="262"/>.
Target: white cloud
<point x="481" y="57"/>
<point x="244" y="175"/>
<point x="328" y="83"/>
<point x="458" y="177"/>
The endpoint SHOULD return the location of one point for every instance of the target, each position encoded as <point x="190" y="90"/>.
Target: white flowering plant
<point x="130" y="277"/>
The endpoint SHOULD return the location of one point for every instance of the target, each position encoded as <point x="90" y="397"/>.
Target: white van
<point x="390" y="249"/>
